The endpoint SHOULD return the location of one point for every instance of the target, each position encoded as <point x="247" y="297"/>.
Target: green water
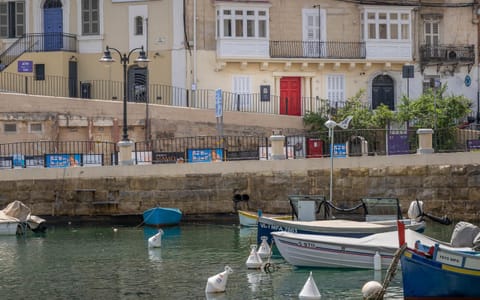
<point x="115" y="263"/>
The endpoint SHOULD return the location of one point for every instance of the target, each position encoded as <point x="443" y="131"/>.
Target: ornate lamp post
<point x="330" y="124"/>
<point x="142" y="62"/>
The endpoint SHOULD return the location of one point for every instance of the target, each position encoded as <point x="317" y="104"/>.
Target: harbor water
<point x="95" y="262"/>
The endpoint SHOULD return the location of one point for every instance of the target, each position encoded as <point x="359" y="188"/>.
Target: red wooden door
<point x="290" y="97"/>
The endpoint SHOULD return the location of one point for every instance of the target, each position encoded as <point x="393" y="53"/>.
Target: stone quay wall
<point x="448" y="184"/>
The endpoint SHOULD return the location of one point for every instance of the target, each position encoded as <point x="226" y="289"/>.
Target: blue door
<point x="53" y="28"/>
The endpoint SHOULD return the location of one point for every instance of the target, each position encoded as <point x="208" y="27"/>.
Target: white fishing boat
<point x="378" y="215"/>
<point x="323" y="251"/>
<point x="250" y="219"/>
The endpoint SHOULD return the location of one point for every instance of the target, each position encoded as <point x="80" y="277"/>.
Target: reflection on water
<point x="100" y="262"/>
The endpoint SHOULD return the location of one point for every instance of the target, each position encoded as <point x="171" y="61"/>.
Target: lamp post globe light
<point x="330" y="124"/>
<point x="142" y="61"/>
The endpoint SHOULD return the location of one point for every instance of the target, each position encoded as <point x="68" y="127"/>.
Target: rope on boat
<point x="392" y="270"/>
<point x="269" y="267"/>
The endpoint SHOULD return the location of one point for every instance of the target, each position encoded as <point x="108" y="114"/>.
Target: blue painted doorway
<point x="53" y="25"/>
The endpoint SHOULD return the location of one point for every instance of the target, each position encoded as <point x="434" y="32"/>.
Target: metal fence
<point x="160" y="94"/>
<point x="347" y="143"/>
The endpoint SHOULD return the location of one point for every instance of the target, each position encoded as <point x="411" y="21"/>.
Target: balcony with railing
<point x="447" y="55"/>
<point x="317" y="49"/>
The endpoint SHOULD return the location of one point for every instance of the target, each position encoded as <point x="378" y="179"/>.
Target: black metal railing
<point x="347" y="143"/>
<point x="161" y="94"/>
<point x="57" y="154"/>
<point x="317" y="49"/>
<point x="447" y="54"/>
<point x="38" y="42"/>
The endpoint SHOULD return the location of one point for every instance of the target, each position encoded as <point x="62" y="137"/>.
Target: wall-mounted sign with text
<point x="25" y="66"/>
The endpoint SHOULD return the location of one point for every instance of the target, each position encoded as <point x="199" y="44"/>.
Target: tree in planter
<point x="435" y="110"/>
<point x="365" y="122"/>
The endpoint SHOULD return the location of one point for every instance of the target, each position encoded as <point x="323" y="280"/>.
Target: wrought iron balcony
<point x="313" y="49"/>
<point x="447" y="54"/>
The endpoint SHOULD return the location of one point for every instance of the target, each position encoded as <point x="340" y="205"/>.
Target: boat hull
<point x="322" y="251"/>
<point x="427" y="278"/>
<point x="250" y="219"/>
<point x="9" y="228"/>
<point x="345" y="228"/>
<point x="162" y="216"/>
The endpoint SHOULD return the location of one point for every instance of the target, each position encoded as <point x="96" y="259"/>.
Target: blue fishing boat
<point x="440" y="272"/>
<point x="162" y="216"/>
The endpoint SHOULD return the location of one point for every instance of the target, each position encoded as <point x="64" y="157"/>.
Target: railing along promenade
<point x="347" y="143"/>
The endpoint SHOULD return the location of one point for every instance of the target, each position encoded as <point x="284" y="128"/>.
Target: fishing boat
<point x="162" y="216"/>
<point x="250" y="219"/>
<point x="375" y="215"/>
<point x="326" y="251"/>
<point x="440" y="271"/>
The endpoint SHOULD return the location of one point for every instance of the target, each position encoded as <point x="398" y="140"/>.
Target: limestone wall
<point x="447" y="183"/>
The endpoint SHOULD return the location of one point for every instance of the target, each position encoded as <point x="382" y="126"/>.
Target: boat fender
<point x="371" y="290"/>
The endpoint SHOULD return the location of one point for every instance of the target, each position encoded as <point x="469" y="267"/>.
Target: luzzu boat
<point x="440" y="271"/>
<point x="162" y="216"/>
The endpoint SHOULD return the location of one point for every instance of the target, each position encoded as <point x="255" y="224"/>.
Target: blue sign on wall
<point x="62" y="160"/>
<point x="205" y="155"/>
<point x="25" y="66"/>
<point x="339" y="150"/>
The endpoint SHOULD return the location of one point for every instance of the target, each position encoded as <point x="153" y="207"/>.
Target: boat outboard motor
<point x="464" y="234"/>
<point x="415" y="211"/>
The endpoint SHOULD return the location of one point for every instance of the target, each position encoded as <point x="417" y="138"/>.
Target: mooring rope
<point x="392" y="270"/>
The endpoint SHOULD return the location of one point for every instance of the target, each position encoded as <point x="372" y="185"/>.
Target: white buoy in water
<point x="310" y="290"/>
<point x="264" y="249"/>
<point x="254" y="260"/>
<point x="218" y="283"/>
<point x="156" y="240"/>
<point x="377" y="261"/>
<point x="371" y="289"/>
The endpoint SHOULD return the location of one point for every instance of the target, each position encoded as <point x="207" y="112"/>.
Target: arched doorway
<point x="383" y="92"/>
<point x="52" y="25"/>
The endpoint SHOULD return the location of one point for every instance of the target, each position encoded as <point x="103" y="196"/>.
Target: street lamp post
<point x="125" y="145"/>
<point x="330" y="124"/>
<point x="142" y="62"/>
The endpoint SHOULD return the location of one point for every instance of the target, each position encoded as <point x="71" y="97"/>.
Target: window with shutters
<point x="242" y="91"/>
<point x="314" y="32"/>
<point x="336" y="88"/>
<point x="90" y="17"/>
<point x="12" y="19"/>
<point x="432" y="35"/>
